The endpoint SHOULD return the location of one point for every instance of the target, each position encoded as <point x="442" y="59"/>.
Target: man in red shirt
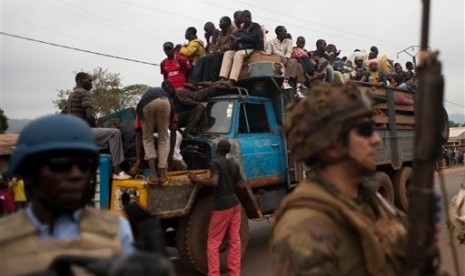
<point x="174" y="67"/>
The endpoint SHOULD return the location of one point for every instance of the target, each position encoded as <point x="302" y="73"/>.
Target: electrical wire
<point x="78" y="49"/>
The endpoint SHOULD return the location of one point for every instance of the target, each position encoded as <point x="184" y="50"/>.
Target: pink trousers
<point x="222" y="222"/>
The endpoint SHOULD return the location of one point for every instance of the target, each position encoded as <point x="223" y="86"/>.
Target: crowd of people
<point x="226" y="48"/>
<point x="197" y="70"/>
<point x="57" y="157"/>
<point x="453" y="156"/>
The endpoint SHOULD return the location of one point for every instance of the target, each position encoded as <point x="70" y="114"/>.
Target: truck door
<point x="260" y="144"/>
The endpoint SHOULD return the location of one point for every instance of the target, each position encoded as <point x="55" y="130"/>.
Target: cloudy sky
<point x="31" y="72"/>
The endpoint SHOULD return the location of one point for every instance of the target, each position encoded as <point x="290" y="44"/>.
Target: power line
<point x="58" y="32"/>
<point x="78" y="49"/>
<point x="116" y="57"/>
<point x="101" y="19"/>
<point x="452" y="103"/>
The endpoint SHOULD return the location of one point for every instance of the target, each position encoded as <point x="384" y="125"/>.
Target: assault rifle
<point x="422" y="252"/>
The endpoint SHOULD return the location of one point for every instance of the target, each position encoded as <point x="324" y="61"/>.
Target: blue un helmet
<point x="52" y="133"/>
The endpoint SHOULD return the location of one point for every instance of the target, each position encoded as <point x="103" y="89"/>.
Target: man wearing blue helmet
<point x="57" y="157"/>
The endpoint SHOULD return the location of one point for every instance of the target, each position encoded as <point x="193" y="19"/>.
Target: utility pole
<point x="414" y="57"/>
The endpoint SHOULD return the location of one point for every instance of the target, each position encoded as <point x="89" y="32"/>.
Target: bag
<point x="7" y="203"/>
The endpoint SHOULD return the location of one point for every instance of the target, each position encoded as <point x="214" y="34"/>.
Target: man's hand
<point x="284" y="60"/>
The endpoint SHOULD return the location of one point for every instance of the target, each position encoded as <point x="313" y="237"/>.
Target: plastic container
<point x="102" y="188"/>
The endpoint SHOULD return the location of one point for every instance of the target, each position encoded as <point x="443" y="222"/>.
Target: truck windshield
<point x="219" y="115"/>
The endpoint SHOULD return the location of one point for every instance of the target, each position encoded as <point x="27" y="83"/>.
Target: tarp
<point x="8" y="143"/>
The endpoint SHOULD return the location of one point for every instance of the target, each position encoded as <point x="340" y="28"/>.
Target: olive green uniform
<point x="319" y="231"/>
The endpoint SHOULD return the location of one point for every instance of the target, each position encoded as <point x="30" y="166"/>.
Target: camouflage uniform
<point x="311" y="234"/>
<point x="319" y="230"/>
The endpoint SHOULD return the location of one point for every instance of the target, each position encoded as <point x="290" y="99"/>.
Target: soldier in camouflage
<point x="332" y="223"/>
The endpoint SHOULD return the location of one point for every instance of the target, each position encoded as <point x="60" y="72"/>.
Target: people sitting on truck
<point x="393" y="81"/>
<point x="336" y="62"/>
<point x="376" y="76"/>
<point x="309" y="65"/>
<point x="302" y="57"/>
<point x="384" y="63"/>
<point x="249" y="39"/>
<point x="208" y="67"/>
<point x="237" y="19"/>
<point x="360" y="72"/>
<point x="410" y="76"/>
<point x="282" y="46"/>
<point x="323" y="59"/>
<point x="211" y="34"/>
<point x="189" y="108"/>
<point x="194" y="49"/>
<point x="397" y="79"/>
<point x="175" y="67"/>
<point x="79" y="104"/>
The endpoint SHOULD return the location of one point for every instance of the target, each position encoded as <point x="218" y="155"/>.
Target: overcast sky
<point x="31" y="72"/>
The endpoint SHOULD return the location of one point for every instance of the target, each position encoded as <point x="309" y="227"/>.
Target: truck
<point x="251" y="117"/>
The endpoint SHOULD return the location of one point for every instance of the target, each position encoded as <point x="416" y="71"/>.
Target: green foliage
<point x="108" y="95"/>
<point x="3" y="121"/>
<point x="453" y="124"/>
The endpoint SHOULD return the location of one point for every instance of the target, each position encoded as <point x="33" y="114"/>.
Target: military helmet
<point x="320" y="120"/>
<point x="52" y="133"/>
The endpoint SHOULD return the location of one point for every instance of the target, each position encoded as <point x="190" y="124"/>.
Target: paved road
<point x="453" y="178"/>
<point x="256" y="261"/>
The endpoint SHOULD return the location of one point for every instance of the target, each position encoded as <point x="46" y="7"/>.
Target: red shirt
<point x="175" y="70"/>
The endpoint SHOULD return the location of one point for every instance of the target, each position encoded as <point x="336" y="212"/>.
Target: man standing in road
<point x="226" y="216"/>
<point x="332" y="223"/>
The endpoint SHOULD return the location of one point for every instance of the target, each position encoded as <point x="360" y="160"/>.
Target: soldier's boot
<point x="153" y="177"/>
<point x="164" y="179"/>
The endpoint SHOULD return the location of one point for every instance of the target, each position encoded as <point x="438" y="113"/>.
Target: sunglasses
<point x="365" y="128"/>
<point x="64" y="164"/>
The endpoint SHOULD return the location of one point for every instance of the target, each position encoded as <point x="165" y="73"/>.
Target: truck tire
<point x="444" y="125"/>
<point x="402" y="180"/>
<point x="383" y="185"/>
<point x="191" y="237"/>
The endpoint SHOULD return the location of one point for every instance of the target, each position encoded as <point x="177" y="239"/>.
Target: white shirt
<point x="283" y="48"/>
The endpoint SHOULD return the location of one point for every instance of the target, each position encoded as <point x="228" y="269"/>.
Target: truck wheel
<point x="191" y="236"/>
<point x="383" y="185"/>
<point x="444" y="125"/>
<point x="402" y="180"/>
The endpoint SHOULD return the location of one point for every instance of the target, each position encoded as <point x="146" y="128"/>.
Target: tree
<point x="453" y="124"/>
<point x="108" y="95"/>
<point x="3" y="121"/>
